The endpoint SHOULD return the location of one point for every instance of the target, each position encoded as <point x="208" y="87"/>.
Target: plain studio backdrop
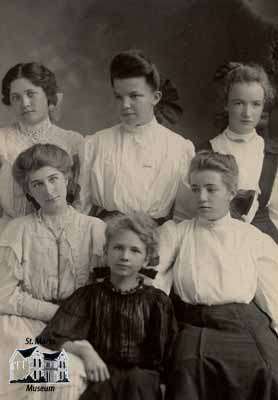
<point x="187" y="39"/>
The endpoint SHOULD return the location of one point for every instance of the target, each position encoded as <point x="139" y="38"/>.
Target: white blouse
<point x="219" y="262"/>
<point x="37" y="268"/>
<point x="248" y="151"/>
<point x="134" y="168"/>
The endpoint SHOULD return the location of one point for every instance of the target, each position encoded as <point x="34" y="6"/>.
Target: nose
<point x="25" y="101"/>
<point x="126" y="102"/>
<point x="125" y="255"/>
<point x="246" y="111"/>
<point x="48" y="188"/>
<point x="203" y="195"/>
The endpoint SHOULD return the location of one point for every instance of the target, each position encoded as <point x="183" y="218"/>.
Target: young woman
<point x="44" y="257"/>
<point x="121" y="328"/>
<point x="30" y="90"/>
<point x="138" y="164"/>
<point x="227" y="348"/>
<point x="246" y="91"/>
<point x="266" y="218"/>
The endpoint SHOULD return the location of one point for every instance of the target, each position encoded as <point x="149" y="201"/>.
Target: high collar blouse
<point x="134" y="168"/>
<point x="39" y="269"/>
<point x="219" y="262"/>
<point x="13" y="141"/>
<point x="248" y="151"/>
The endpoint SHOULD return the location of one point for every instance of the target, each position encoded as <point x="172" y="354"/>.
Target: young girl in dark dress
<point x="121" y="328"/>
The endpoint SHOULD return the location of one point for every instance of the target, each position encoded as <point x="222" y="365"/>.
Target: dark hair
<point x="223" y="163"/>
<point x="39" y="156"/>
<point x="133" y="64"/>
<point x="37" y="74"/>
<point x="247" y="73"/>
<point x="139" y="223"/>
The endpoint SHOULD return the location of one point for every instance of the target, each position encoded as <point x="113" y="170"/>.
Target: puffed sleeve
<point x="86" y="156"/>
<point x="267" y="287"/>
<point x="169" y="240"/>
<point x="184" y="205"/>
<point x="98" y="242"/>
<point x="13" y="299"/>
<point x="162" y="329"/>
<point x="71" y="322"/>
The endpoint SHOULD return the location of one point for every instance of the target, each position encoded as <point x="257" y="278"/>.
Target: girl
<point x="121" y="328"/>
<point x="44" y="256"/>
<point x="226" y="347"/>
<point x="31" y="91"/>
<point x="247" y="91"/>
<point x="138" y="164"/>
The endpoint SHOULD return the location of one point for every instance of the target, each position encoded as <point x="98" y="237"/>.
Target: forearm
<point x="37" y="309"/>
<point x="80" y="348"/>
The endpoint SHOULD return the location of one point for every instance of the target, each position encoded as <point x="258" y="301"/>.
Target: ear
<point x="157" y="97"/>
<point x="146" y="262"/>
<point x="232" y="194"/>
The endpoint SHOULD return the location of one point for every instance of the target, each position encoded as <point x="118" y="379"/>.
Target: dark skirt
<point x="126" y="384"/>
<point x="223" y="352"/>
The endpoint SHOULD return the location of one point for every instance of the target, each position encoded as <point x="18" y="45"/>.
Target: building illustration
<point x="33" y="366"/>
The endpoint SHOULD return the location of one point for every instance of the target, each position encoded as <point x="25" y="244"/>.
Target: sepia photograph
<point x="139" y="200"/>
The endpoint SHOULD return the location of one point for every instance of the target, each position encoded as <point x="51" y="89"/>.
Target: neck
<point x="124" y="283"/>
<point x="58" y="211"/>
<point x="36" y="129"/>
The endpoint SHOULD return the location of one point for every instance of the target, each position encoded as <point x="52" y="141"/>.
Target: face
<point x="29" y="102"/>
<point x="211" y="194"/>
<point x="48" y="186"/>
<point x="136" y="100"/>
<point x="245" y="106"/>
<point x="126" y="254"/>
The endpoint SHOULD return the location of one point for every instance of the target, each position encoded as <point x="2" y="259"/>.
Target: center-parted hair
<point x="225" y="164"/>
<point x="133" y="64"/>
<point x="139" y="223"/>
<point x="39" y="156"/>
<point x="37" y="74"/>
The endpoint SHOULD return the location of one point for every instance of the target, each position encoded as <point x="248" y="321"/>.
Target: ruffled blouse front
<point x="38" y="270"/>
<point x="134" y="169"/>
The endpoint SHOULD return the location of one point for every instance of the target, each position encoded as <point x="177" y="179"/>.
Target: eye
<point x="53" y="179"/>
<point x="135" y="250"/>
<point x="36" y="185"/>
<point x="257" y="104"/>
<point x="30" y="93"/>
<point x="195" y="189"/>
<point x="14" y="98"/>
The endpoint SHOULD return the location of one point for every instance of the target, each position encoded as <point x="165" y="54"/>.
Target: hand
<point x="96" y="369"/>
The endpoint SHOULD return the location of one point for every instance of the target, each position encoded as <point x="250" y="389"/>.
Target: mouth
<point x="127" y="114"/>
<point x="246" y="121"/>
<point x="52" y="199"/>
<point x="204" y="208"/>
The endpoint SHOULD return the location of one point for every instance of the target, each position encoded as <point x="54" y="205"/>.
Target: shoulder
<point x="93" y="222"/>
<point x="5" y="134"/>
<point x="103" y="136"/>
<point x="72" y="135"/>
<point x="79" y="303"/>
<point x="176" y="138"/>
<point x="217" y="139"/>
<point x="157" y="298"/>
<point x="17" y="233"/>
